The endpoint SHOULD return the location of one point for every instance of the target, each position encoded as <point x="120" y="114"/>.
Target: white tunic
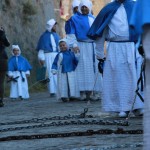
<point x="120" y="76"/>
<point x="19" y="88"/>
<point x="49" y="58"/>
<point x="67" y="82"/>
<point x="88" y="77"/>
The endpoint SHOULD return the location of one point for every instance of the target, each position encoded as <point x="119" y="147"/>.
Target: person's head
<point x="16" y="50"/>
<point x="3" y="39"/>
<point x="51" y="25"/>
<point x="75" y="5"/>
<point x="85" y="7"/>
<point x="121" y="1"/>
<point x="75" y="9"/>
<point x="63" y="45"/>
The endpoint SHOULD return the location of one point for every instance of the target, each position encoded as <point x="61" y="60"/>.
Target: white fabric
<point x="16" y="47"/>
<point x="19" y="88"/>
<point x="91" y="20"/>
<point x="87" y="68"/>
<point x="119" y="79"/>
<point x="120" y="76"/>
<point x="54" y="47"/>
<point x="71" y="38"/>
<point x="99" y="48"/>
<point x="67" y="83"/>
<point x="63" y="40"/>
<point x="86" y="3"/>
<point x="41" y="55"/>
<point x="50" y="24"/>
<point x="120" y="20"/>
<point x="75" y="3"/>
<point x="49" y="58"/>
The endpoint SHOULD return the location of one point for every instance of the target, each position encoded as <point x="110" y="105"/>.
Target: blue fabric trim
<point x="104" y="17"/>
<point x="69" y="62"/>
<point x="44" y="42"/>
<point x="140" y="15"/>
<point x="78" y="24"/>
<point x="22" y="65"/>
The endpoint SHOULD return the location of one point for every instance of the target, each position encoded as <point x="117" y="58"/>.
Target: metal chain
<point x="83" y="115"/>
<point x="71" y="134"/>
<point x="64" y="123"/>
<point x="38" y="120"/>
<point x="116" y="146"/>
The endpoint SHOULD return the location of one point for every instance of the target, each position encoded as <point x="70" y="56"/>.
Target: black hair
<point x="3" y="39"/>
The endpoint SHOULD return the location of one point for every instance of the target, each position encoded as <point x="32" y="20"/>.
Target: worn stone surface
<point x="41" y="105"/>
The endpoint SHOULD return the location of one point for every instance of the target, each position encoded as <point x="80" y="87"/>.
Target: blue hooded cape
<point x="69" y="62"/>
<point x="44" y="42"/>
<point x="106" y="14"/>
<point x="78" y="24"/>
<point x="22" y="65"/>
<point x="140" y="15"/>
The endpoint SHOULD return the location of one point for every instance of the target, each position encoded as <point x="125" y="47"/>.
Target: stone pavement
<point x="41" y="105"/>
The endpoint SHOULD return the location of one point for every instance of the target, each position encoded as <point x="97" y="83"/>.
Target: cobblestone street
<point x="41" y="105"/>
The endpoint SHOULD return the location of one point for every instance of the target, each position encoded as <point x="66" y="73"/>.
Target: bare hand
<point x="76" y="49"/>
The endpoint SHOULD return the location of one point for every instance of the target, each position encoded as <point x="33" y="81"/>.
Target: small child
<point x="18" y="71"/>
<point x="64" y="65"/>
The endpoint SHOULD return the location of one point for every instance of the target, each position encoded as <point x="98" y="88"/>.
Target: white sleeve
<point x="60" y="59"/>
<point x="71" y="39"/>
<point x="10" y="73"/>
<point x="27" y="72"/>
<point x="99" y="49"/>
<point x="41" y="55"/>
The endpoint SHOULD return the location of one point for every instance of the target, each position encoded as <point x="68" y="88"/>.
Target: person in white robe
<point x="18" y="71"/>
<point x="120" y="74"/>
<point x="64" y="66"/>
<point x="47" y="50"/>
<point x="88" y="77"/>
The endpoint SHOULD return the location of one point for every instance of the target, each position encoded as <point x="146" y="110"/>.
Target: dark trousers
<point x="2" y="80"/>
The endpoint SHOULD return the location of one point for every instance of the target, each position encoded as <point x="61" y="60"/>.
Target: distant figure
<point x="3" y="62"/>
<point x="47" y="50"/>
<point x="64" y="66"/>
<point x="120" y="74"/>
<point x="140" y="21"/>
<point x="75" y="5"/>
<point x="18" y="71"/>
<point x="68" y="23"/>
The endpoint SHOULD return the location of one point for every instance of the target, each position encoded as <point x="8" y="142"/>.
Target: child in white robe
<point x="18" y="71"/>
<point x="64" y="66"/>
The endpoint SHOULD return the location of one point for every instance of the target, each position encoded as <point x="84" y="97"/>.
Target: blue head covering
<point x="140" y="15"/>
<point x="106" y="14"/>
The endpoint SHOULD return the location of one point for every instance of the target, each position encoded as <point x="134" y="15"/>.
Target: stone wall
<point x="24" y="21"/>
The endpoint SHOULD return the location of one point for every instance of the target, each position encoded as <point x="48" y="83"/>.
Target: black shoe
<point x="21" y="98"/>
<point x="52" y="95"/>
<point x="65" y="99"/>
<point x="74" y="99"/>
<point x="1" y="103"/>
